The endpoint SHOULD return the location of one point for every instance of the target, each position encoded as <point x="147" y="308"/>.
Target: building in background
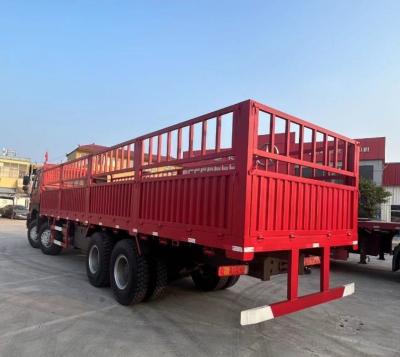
<point x="373" y="166"/>
<point x="83" y="150"/>
<point x="372" y="158"/>
<point x="12" y="171"/>
<point x="391" y="182"/>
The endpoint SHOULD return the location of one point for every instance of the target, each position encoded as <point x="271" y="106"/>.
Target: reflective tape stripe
<point x="256" y="315"/>
<point x="57" y="242"/>
<point x="236" y="248"/>
<point x="348" y="289"/>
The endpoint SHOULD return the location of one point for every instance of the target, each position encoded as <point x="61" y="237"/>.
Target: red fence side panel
<point x="198" y="200"/>
<point x="298" y="206"/>
<point x="111" y="199"/>
<point x="49" y="199"/>
<point x="73" y="199"/>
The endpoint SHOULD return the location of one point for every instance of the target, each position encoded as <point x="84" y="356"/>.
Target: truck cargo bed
<point x="248" y="182"/>
<point x="214" y="181"/>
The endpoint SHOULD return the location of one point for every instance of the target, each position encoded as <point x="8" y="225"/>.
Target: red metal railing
<point x="243" y="176"/>
<point x="113" y="199"/>
<point x="246" y="179"/>
<point x="209" y="204"/>
<point x="303" y="183"/>
<point x="298" y="145"/>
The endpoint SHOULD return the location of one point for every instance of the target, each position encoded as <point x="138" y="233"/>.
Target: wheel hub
<point x="45" y="238"/>
<point x="33" y="234"/>
<point x="94" y="259"/>
<point x="121" y="272"/>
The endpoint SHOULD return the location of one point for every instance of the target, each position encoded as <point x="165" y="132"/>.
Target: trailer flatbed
<point x="376" y="238"/>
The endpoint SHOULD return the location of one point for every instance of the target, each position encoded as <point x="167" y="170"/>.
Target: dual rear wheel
<point x="133" y="277"/>
<point x="136" y="277"/>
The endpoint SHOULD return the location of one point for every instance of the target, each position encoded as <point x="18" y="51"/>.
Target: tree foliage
<point x="371" y="197"/>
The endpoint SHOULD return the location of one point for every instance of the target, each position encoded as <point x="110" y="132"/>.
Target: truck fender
<point x="31" y="217"/>
<point x="396" y="259"/>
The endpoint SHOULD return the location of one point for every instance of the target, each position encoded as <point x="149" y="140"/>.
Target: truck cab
<point x="32" y="187"/>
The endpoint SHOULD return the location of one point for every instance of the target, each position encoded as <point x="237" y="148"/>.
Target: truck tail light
<point x="312" y="260"/>
<point x="229" y="270"/>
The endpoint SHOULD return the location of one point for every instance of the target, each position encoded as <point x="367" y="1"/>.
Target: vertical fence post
<point x="244" y="135"/>
<point x="60" y="187"/>
<point x="314" y="151"/>
<point x="88" y="186"/>
<point x="138" y="157"/>
<point x="218" y="135"/>
<point x="325" y="261"/>
<point x="301" y="148"/>
<point x="293" y="275"/>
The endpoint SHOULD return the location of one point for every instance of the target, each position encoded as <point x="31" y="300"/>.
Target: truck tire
<point x="207" y="279"/>
<point x="129" y="273"/>
<point x="46" y="246"/>
<point x="98" y="259"/>
<point x="158" y="278"/>
<point x="232" y="280"/>
<point x="33" y="235"/>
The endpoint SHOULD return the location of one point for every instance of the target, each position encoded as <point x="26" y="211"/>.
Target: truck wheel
<point x="98" y="259"/>
<point x="158" y="278"/>
<point x="232" y="280"/>
<point x="129" y="274"/>
<point x="206" y="279"/>
<point x="46" y="246"/>
<point x="33" y="236"/>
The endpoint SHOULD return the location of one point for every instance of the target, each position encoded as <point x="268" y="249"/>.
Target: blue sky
<point x="77" y="72"/>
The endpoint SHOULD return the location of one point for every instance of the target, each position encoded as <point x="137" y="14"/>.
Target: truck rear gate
<point x="249" y="180"/>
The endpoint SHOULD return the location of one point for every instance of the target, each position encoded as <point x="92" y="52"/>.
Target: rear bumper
<point x="268" y="312"/>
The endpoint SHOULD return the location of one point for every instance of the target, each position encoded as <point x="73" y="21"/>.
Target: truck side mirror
<point x="26" y="180"/>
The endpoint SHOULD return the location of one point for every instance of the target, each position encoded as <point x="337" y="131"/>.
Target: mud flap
<point x="396" y="259"/>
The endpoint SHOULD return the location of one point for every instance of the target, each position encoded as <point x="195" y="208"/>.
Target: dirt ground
<point x="47" y="308"/>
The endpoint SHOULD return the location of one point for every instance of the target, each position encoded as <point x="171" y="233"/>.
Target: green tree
<point x="371" y="196"/>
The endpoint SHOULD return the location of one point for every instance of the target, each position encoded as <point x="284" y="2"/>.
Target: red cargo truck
<point x="242" y="190"/>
